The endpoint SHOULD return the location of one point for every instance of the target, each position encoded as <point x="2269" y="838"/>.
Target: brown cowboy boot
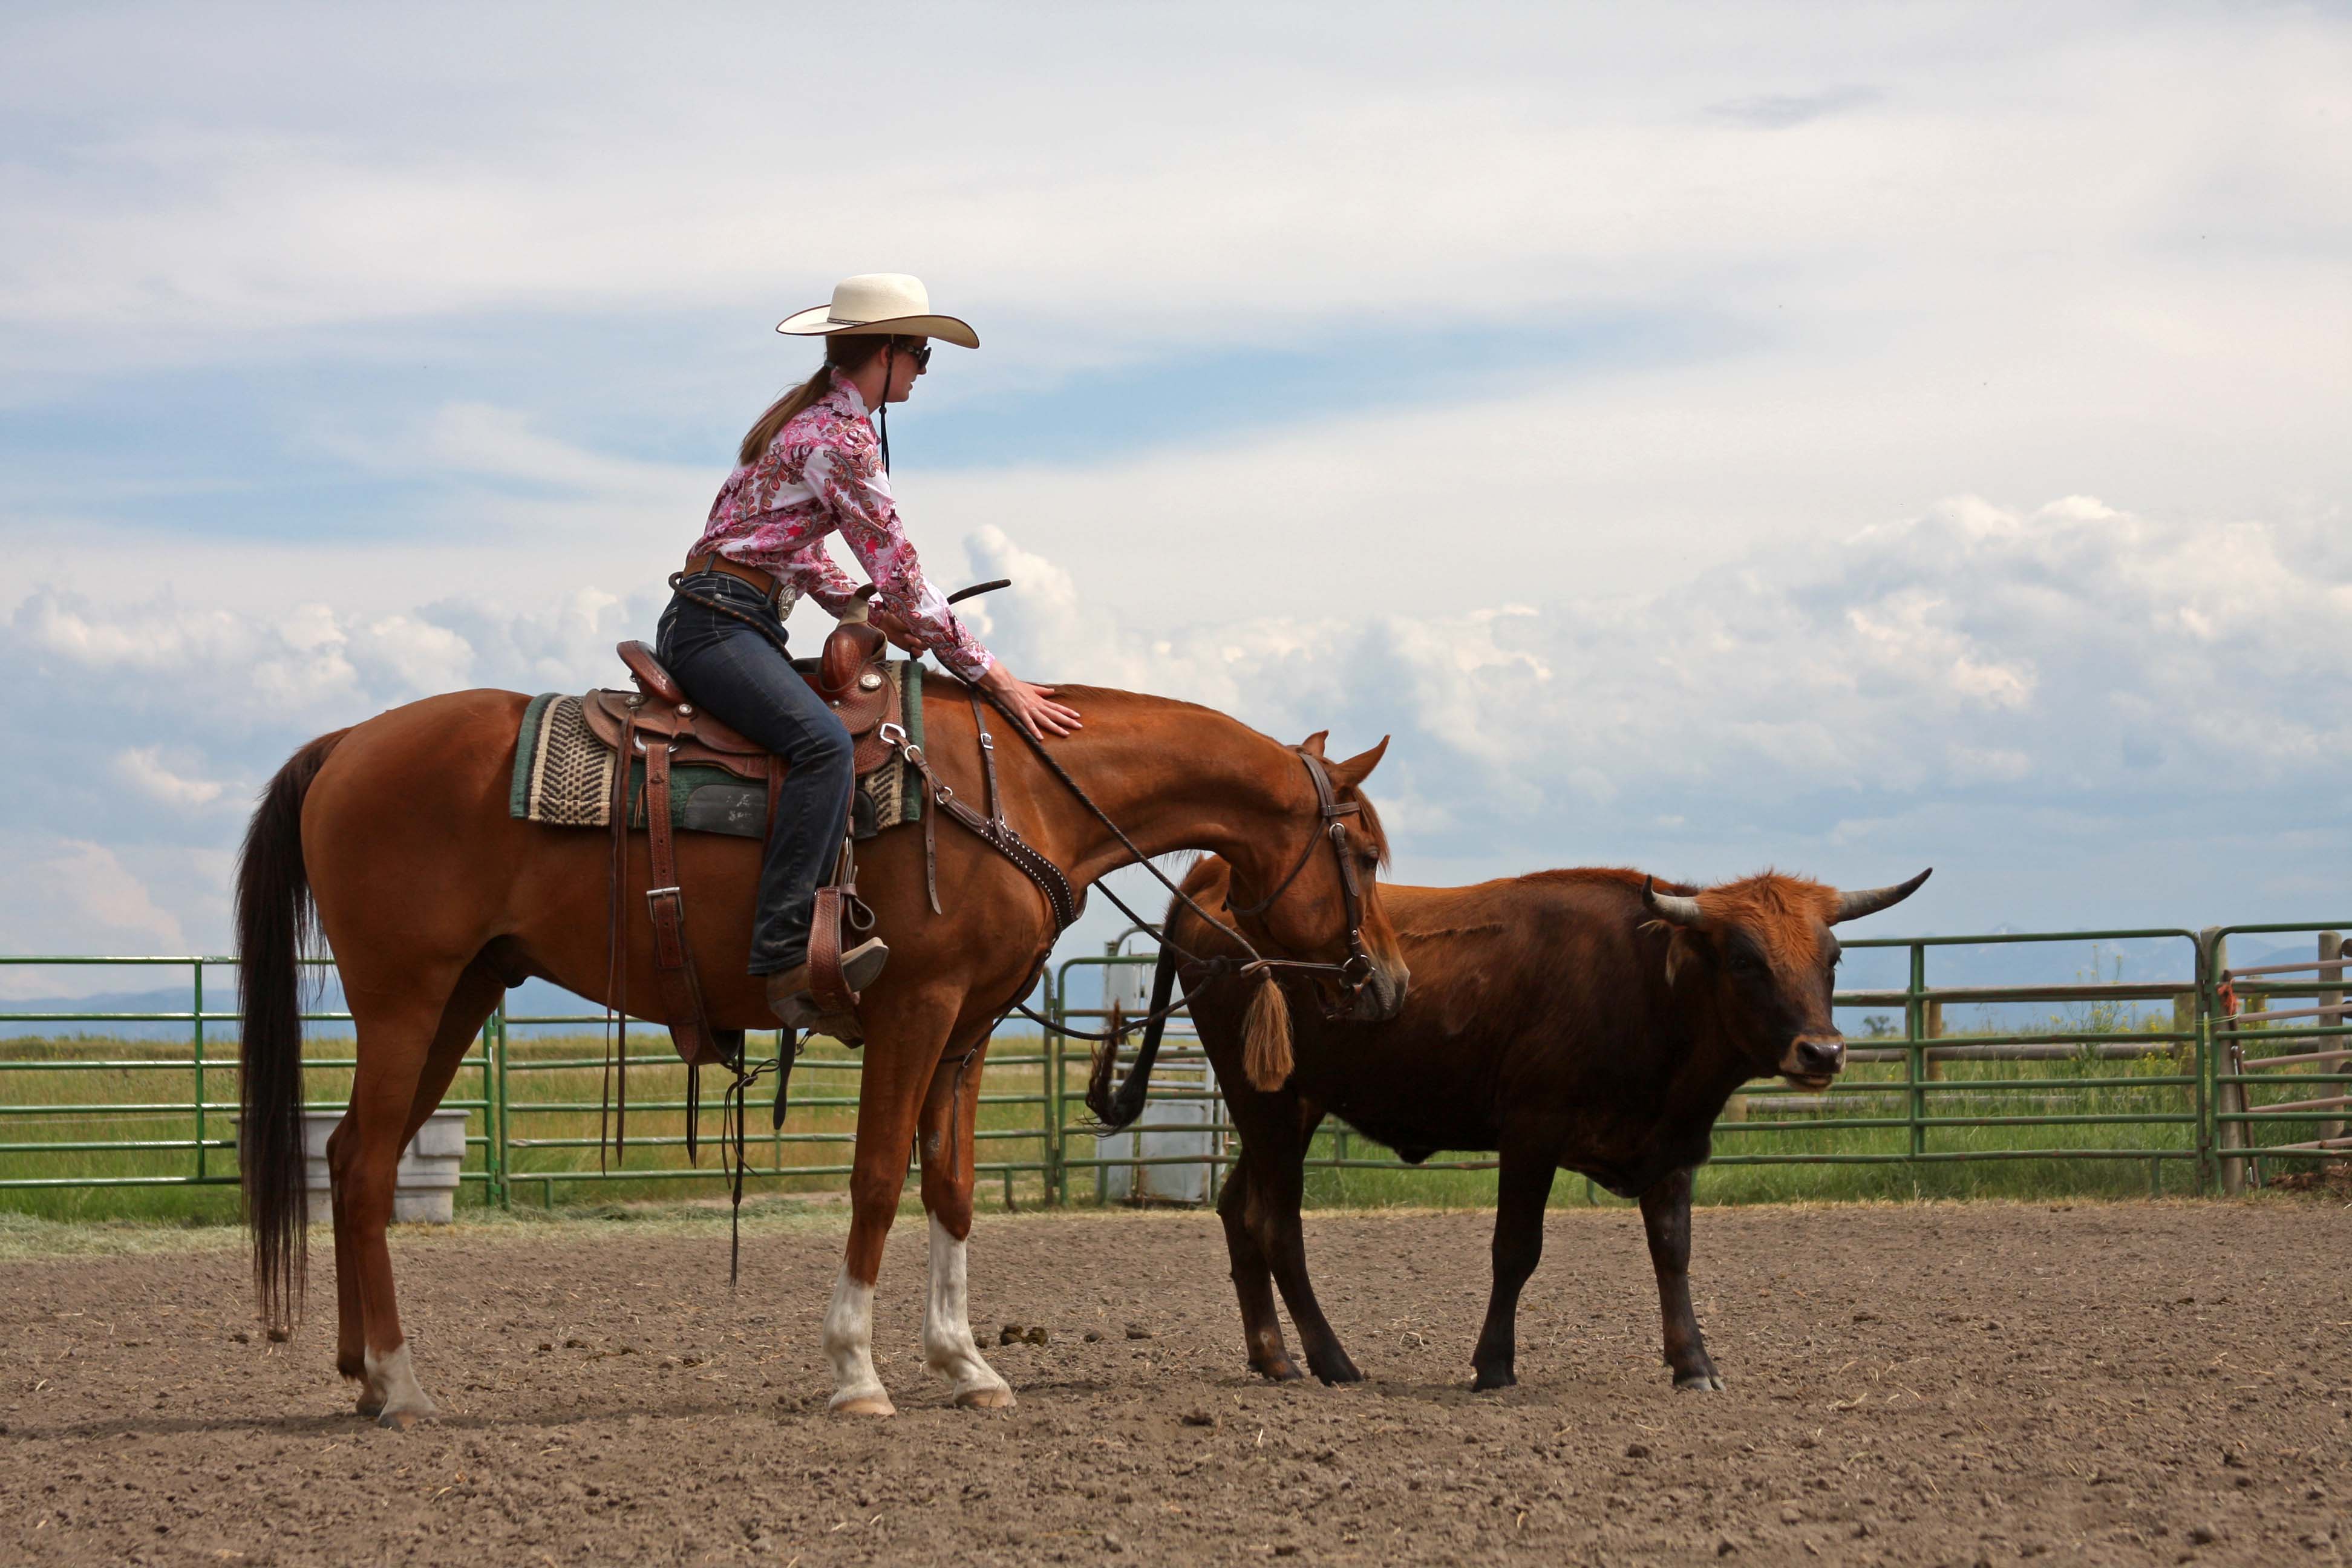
<point x="789" y="999"/>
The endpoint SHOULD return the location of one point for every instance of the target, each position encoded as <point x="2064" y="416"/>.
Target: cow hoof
<point x="864" y="1405"/>
<point x="1706" y="1381"/>
<point x="983" y="1399"/>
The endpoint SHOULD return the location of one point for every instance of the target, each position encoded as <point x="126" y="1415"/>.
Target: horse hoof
<point x="1487" y="1383"/>
<point x="864" y="1405"/>
<point x="1703" y="1382"/>
<point x="402" y="1420"/>
<point x="985" y="1399"/>
<point x="369" y="1409"/>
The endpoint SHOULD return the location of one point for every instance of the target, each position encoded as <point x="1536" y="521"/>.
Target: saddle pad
<point x="563" y="777"/>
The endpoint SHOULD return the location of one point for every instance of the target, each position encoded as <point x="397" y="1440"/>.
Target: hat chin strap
<point x="882" y="413"/>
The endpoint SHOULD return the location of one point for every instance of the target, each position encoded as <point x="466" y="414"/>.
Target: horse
<point x="1587" y="1019"/>
<point x="393" y="840"/>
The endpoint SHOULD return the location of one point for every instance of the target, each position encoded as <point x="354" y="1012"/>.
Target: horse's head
<point x="1312" y="892"/>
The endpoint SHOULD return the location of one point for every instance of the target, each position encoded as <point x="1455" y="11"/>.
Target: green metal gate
<point x="2224" y="1077"/>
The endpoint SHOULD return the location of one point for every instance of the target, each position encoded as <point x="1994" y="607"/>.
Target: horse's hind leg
<point x="404" y="1047"/>
<point x="350" y="1321"/>
<point x="477" y="993"/>
<point x="946" y="1132"/>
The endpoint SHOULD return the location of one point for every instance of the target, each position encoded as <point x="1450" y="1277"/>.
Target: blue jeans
<point x="746" y="682"/>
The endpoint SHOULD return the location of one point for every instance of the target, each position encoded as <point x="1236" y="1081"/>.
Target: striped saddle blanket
<point x="563" y="777"/>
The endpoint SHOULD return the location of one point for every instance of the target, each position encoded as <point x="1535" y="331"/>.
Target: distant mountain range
<point x="532" y="998"/>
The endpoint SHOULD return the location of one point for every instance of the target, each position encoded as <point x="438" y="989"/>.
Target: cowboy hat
<point x="878" y="302"/>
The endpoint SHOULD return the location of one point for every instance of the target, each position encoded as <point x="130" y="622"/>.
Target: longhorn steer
<point x="1583" y="1020"/>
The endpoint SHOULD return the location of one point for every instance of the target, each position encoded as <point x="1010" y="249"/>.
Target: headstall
<point x="1066" y="903"/>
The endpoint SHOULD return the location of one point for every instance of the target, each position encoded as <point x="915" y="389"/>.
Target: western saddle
<point x="660" y="726"/>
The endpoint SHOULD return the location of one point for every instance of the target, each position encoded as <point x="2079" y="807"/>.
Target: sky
<point x="1845" y="438"/>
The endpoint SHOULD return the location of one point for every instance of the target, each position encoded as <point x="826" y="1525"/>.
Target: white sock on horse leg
<point x="849" y="1345"/>
<point x="391" y="1378"/>
<point x="948" y="1346"/>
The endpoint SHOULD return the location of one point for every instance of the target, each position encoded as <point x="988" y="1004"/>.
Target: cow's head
<point x="1764" y="949"/>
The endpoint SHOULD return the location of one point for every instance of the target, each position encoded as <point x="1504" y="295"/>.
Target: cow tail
<point x="276" y="922"/>
<point x="1113" y="1113"/>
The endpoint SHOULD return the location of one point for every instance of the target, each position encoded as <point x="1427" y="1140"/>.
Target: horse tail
<point x="1114" y="1112"/>
<point x="276" y="922"/>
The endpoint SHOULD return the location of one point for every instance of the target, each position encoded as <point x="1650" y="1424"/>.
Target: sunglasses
<point x="919" y="353"/>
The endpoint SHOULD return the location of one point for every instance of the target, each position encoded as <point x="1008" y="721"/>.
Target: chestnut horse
<point x="394" y="839"/>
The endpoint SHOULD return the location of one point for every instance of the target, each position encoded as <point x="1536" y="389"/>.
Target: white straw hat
<point x="878" y="302"/>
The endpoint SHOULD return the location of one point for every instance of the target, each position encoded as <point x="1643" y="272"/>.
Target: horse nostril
<point x="1382" y="996"/>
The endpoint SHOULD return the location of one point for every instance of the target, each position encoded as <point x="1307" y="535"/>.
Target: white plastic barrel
<point x="424" y="1191"/>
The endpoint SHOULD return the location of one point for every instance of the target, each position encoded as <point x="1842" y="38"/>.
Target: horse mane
<point x="1370" y="815"/>
<point x="1080" y="697"/>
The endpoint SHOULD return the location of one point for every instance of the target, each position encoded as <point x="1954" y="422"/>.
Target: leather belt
<point x="765" y="581"/>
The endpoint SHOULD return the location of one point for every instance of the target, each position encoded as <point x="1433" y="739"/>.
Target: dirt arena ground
<point x="2103" y="1384"/>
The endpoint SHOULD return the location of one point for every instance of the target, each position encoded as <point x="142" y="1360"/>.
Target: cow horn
<point x="1672" y="908"/>
<point x="1854" y="905"/>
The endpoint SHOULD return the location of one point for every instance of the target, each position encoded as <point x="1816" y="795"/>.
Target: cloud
<point x="1971" y="650"/>
<point x="77" y="889"/>
<point x="433" y="377"/>
<point x="1779" y="111"/>
<point x="1970" y="659"/>
<point x="142" y="768"/>
<point x="1560" y="159"/>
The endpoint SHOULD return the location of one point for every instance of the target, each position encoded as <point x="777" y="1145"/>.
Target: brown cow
<point x="1589" y="1020"/>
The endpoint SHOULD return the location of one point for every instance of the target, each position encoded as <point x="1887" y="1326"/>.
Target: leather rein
<point x="1066" y="903"/>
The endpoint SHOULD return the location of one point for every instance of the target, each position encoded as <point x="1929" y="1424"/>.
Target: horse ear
<point x="1352" y="773"/>
<point x="1313" y="745"/>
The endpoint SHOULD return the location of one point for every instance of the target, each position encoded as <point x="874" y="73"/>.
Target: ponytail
<point x="844" y="352"/>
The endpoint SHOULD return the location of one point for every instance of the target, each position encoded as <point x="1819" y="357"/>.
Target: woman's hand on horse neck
<point x="1031" y="707"/>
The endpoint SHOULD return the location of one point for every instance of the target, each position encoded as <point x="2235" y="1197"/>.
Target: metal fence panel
<point x="2248" y="1074"/>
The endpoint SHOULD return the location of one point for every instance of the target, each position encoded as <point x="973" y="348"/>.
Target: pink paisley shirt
<point x="822" y="472"/>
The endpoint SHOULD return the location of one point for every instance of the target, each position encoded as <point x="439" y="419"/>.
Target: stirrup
<point x="789" y="999"/>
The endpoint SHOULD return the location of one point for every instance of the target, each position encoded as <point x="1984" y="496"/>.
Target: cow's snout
<point x="1814" y="1057"/>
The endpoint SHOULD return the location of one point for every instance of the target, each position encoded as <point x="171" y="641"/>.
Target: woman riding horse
<point x="399" y="838"/>
<point x="810" y="465"/>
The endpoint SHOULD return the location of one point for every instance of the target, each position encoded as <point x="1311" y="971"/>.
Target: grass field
<point x="84" y="1108"/>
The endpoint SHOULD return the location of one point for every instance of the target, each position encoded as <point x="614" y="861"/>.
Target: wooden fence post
<point x="1935" y="1032"/>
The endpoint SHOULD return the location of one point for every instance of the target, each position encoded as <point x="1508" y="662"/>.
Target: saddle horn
<point x="977" y="589"/>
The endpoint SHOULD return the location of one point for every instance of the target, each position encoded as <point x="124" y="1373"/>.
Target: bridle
<point x="1349" y="976"/>
<point x="1356" y="972"/>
